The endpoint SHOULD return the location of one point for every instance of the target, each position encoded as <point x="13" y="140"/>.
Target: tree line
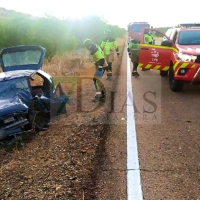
<point x="57" y="36"/>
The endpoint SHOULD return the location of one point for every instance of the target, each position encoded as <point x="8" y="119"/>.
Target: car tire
<point x="39" y="120"/>
<point x="175" y="86"/>
<point x="163" y="73"/>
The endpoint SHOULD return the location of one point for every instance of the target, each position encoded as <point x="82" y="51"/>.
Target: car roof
<point x="15" y="74"/>
<point x="183" y="29"/>
<point x="22" y="73"/>
<point x="187" y="29"/>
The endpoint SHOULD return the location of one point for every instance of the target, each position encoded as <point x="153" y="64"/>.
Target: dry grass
<point x="70" y="63"/>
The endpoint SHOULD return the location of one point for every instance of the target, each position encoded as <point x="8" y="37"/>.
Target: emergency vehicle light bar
<point x="190" y="25"/>
<point x="138" y="23"/>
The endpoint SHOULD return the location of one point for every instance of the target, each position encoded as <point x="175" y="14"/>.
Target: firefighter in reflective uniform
<point x="151" y="39"/>
<point x="100" y="64"/>
<point x="133" y="51"/>
<point x="109" y="46"/>
<point x="148" y="38"/>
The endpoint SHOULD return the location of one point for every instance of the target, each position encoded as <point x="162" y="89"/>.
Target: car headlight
<point x="186" y="57"/>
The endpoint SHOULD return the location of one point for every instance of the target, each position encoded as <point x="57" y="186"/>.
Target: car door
<point x="157" y="55"/>
<point x="58" y="100"/>
<point x="42" y="86"/>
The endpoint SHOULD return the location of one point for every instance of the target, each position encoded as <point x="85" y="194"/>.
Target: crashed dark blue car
<point x="28" y="98"/>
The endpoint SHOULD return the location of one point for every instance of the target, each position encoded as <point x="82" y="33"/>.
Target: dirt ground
<point x="61" y="162"/>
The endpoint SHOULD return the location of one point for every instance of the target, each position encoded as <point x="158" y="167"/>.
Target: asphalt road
<point x="168" y="138"/>
<point x="169" y="147"/>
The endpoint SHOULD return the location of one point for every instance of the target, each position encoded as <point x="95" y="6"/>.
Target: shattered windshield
<point x="28" y="57"/>
<point x="18" y="86"/>
<point x="189" y="37"/>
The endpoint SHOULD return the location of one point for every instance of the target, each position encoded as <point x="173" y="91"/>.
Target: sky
<point x="158" y="13"/>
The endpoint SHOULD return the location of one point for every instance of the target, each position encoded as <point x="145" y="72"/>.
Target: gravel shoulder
<point x="61" y="162"/>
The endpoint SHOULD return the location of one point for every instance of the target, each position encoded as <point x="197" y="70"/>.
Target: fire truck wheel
<point x="163" y="73"/>
<point x="175" y="86"/>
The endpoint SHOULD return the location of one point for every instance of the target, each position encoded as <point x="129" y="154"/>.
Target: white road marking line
<point x="134" y="188"/>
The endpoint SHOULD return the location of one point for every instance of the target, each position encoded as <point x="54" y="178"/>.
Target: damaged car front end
<point x="14" y="111"/>
<point x="23" y="105"/>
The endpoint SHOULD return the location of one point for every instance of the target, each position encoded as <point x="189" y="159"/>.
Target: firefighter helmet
<point x="87" y="42"/>
<point x="107" y="31"/>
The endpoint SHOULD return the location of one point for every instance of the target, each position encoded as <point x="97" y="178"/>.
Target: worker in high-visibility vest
<point x="109" y="45"/>
<point x="133" y="51"/>
<point x="151" y="39"/>
<point x="148" y="37"/>
<point x="100" y="65"/>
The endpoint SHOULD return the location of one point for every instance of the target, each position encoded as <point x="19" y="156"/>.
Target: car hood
<point x="11" y="105"/>
<point x="189" y="49"/>
<point x="23" y="57"/>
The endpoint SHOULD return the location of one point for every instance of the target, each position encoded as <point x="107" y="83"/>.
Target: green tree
<point x="57" y="36"/>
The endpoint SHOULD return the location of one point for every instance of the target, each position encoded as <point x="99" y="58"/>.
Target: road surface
<point x="168" y="140"/>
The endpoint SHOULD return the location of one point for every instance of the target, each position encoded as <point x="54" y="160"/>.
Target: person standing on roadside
<point x="133" y="51"/>
<point x="109" y="46"/>
<point x="148" y="38"/>
<point x="100" y="65"/>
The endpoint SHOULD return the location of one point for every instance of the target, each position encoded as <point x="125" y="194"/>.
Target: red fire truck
<point x="135" y="29"/>
<point x="178" y="56"/>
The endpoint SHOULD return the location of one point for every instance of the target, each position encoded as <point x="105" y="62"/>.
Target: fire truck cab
<point x="176" y="56"/>
<point x="135" y="29"/>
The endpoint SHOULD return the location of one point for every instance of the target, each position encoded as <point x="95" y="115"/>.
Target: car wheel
<point x="39" y="120"/>
<point x="163" y="73"/>
<point x="175" y="86"/>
